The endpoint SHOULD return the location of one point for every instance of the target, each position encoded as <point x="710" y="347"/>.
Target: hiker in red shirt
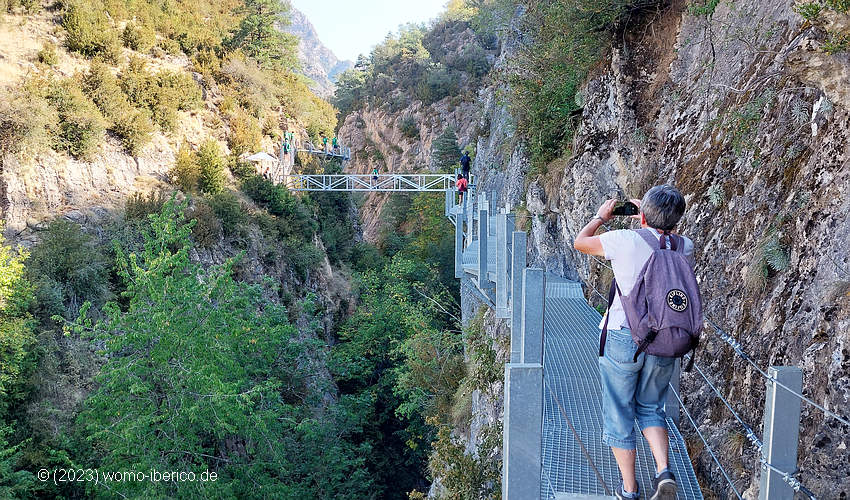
<point x="462" y="185"/>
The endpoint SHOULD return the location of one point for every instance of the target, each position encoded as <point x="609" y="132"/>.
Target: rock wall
<point x="375" y="137"/>
<point x="747" y="115"/>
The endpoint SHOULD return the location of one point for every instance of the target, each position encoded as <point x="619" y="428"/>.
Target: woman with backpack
<point x="654" y="316"/>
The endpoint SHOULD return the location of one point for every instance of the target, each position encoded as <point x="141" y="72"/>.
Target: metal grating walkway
<point x="571" y="377"/>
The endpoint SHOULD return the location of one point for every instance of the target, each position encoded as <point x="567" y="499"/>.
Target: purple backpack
<point x="664" y="309"/>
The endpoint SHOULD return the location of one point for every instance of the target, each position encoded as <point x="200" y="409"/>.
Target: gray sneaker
<point x="622" y="495"/>
<point x="664" y="487"/>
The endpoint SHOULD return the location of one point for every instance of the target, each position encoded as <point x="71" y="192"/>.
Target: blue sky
<point x="353" y="27"/>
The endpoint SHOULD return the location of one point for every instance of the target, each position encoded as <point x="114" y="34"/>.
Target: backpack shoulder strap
<point x="604" y="336"/>
<point x="649" y="238"/>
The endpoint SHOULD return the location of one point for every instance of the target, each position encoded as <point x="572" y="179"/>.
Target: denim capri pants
<point x="631" y="389"/>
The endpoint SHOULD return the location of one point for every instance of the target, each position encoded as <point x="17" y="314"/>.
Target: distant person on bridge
<point x="464" y="164"/>
<point x="325" y="144"/>
<point x="334" y="144"/>
<point x="375" y="176"/>
<point x="462" y="185"/>
<point x="634" y="383"/>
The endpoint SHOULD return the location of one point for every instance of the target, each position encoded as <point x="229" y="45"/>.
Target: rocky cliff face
<point x="317" y="61"/>
<point x="745" y="113"/>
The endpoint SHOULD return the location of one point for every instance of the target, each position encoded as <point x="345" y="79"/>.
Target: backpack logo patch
<point x="677" y="300"/>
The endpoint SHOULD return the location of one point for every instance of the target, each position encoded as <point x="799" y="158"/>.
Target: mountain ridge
<point x="318" y="62"/>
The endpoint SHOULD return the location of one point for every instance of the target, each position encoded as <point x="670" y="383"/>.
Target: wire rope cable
<point x="736" y="346"/>
<point x="707" y="446"/>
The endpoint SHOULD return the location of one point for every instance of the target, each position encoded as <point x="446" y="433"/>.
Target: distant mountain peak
<point x="318" y="62"/>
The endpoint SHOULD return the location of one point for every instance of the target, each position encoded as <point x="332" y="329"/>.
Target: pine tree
<point x="259" y="36"/>
<point x="210" y="166"/>
<point x="445" y="152"/>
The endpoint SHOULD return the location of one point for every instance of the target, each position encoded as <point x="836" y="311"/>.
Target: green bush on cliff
<point x="139" y="37"/>
<point x="89" y="31"/>
<point x="210" y="167"/>
<point x="569" y="38"/>
<point x="81" y="125"/>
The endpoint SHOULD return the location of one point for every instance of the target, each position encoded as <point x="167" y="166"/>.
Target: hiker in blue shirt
<point x="634" y="383"/>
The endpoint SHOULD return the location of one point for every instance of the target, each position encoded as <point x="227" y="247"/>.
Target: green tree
<point x="398" y="352"/>
<point x="203" y="373"/>
<point x="258" y="34"/>
<point x="210" y="167"/>
<point x="17" y="338"/>
<point x="67" y="268"/>
<point x="445" y="152"/>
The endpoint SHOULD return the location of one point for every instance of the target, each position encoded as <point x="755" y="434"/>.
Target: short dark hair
<point x="663" y="206"/>
<point x="460" y="176"/>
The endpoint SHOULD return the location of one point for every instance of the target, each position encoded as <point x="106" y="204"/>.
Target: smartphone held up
<point x="625" y="208"/>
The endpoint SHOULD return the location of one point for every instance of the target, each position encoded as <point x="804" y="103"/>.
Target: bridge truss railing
<point x="369" y="182"/>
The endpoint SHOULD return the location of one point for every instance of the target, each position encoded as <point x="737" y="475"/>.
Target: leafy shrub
<point x="245" y="134"/>
<point x="47" y="55"/>
<point x="89" y="30"/>
<point x="16" y="333"/>
<point x="836" y="42"/>
<point x="103" y="88"/>
<point x="68" y="269"/>
<point x="473" y="60"/>
<point x="808" y="10"/>
<point x="210" y="167"/>
<point x="135" y="130"/>
<point x="135" y="81"/>
<point x="240" y="169"/>
<point x="439" y="83"/>
<point x="26" y="122"/>
<point x="133" y="126"/>
<point x="163" y="93"/>
<point x="254" y="89"/>
<point x="409" y="128"/>
<point x="81" y="124"/>
<point x="228" y="209"/>
<point x="296" y="218"/>
<point x="716" y="195"/>
<point x="703" y="7"/>
<point x="207" y="228"/>
<point x="185" y="173"/>
<point x="140" y="38"/>
<point x="139" y="207"/>
<point x="172" y="91"/>
<point x="838" y="5"/>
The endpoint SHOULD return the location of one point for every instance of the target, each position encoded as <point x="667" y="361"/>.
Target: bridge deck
<point x="571" y="378"/>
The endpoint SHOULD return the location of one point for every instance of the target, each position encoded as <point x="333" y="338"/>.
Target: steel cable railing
<point x="787" y="477"/>
<point x="736" y="346"/>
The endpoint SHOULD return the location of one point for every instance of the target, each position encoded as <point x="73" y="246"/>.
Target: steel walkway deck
<point x="571" y="378"/>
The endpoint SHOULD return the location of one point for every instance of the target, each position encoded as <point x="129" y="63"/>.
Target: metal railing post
<point x="518" y="243"/>
<point x="781" y="431"/>
<point x="523" y="421"/>
<point x="459" y="246"/>
<point x="502" y="310"/>
<point x="483" y="222"/>
<point x="469" y="211"/>
<point x="532" y="315"/>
